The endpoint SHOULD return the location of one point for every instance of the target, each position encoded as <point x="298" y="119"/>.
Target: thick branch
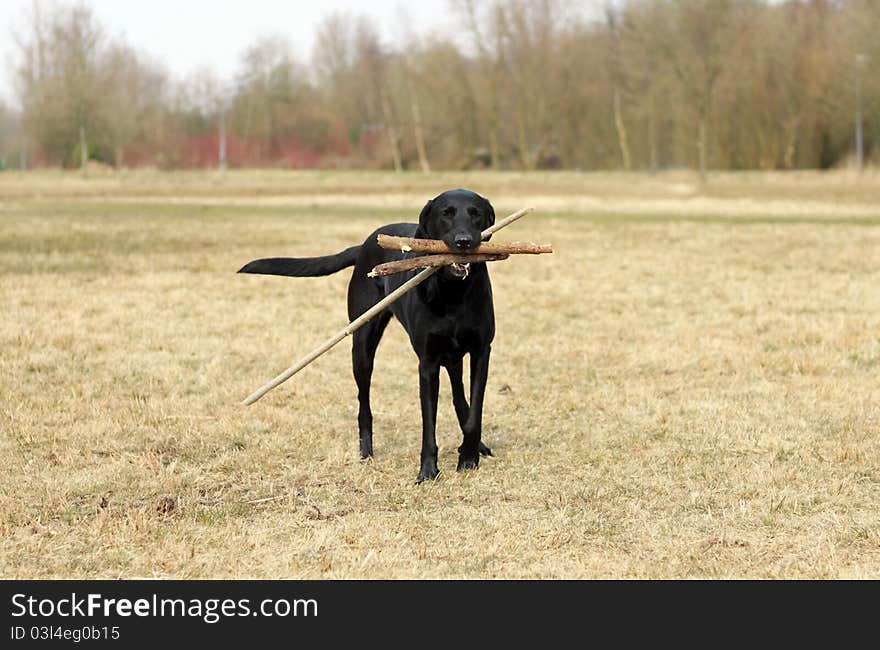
<point x="436" y="246"/>
<point x="429" y="261"/>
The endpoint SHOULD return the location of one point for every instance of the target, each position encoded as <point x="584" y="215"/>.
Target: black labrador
<point x="447" y="316"/>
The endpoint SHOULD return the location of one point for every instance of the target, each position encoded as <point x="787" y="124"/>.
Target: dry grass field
<point x="688" y="388"/>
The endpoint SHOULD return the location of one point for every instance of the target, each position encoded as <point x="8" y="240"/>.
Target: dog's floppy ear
<point x="422" y="230"/>
<point x="490" y="218"/>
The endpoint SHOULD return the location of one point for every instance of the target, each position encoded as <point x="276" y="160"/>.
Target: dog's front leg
<point x="429" y="387"/>
<point x="462" y="410"/>
<point x="469" y="452"/>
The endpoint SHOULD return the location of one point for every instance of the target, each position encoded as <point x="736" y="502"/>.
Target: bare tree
<point x="354" y="71"/>
<point x="58" y="80"/>
<point x="490" y="63"/>
<point x="415" y="111"/>
<point x="643" y="40"/>
<point x="615" y="59"/>
<point x="705" y="35"/>
<point x="132" y="96"/>
<point x="8" y="129"/>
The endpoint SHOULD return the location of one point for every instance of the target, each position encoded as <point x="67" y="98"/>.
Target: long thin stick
<point x="358" y="322"/>
<point x="426" y="261"/>
<point x="506" y="221"/>
<point x="437" y="246"/>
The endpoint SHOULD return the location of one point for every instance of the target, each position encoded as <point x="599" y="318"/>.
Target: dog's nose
<point x="463" y="241"/>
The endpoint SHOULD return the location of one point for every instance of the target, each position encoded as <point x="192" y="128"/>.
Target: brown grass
<point x="669" y="397"/>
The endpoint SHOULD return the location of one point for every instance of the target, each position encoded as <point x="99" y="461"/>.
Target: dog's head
<point x="458" y="217"/>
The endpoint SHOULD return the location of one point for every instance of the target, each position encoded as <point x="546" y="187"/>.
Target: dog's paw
<point x="468" y="462"/>
<point x="485" y="451"/>
<point x="366" y="449"/>
<point x="428" y="472"/>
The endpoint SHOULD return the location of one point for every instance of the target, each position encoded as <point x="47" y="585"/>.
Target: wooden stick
<point x="353" y="326"/>
<point x="407" y="244"/>
<point x="428" y="261"/>
<point x="358" y="322"/>
<point x="506" y="221"/>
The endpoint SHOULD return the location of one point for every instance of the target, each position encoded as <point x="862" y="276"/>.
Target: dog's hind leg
<point x="429" y="387"/>
<point x="459" y="401"/>
<point x="363" y="352"/>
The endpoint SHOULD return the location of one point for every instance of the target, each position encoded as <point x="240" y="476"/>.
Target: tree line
<point x="525" y="84"/>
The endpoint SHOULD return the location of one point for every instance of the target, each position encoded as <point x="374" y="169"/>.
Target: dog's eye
<point x="474" y="213"/>
<point x="448" y="212"/>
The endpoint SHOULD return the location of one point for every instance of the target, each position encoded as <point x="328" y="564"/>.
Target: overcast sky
<point x="186" y="35"/>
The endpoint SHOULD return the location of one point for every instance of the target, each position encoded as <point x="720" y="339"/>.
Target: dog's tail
<point x="303" y="266"/>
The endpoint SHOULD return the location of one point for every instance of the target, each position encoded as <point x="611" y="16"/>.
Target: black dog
<point x="447" y="316"/>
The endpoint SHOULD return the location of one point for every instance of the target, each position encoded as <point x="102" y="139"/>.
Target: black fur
<point x="303" y="266"/>
<point x="446" y="317"/>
